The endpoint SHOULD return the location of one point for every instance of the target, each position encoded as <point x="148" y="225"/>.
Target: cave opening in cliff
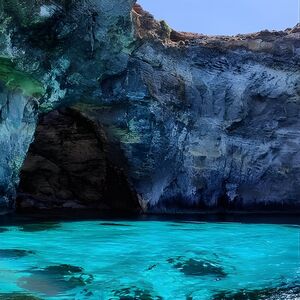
<point x="67" y="167"/>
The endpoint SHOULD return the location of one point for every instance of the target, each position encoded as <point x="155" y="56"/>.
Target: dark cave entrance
<point x="67" y="167"/>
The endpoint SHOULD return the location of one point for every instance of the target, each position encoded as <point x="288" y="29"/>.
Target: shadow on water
<point x="114" y="224"/>
<point x="40" y="221"/>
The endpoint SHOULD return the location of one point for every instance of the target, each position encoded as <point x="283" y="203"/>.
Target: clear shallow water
<point x="150" y="260"/>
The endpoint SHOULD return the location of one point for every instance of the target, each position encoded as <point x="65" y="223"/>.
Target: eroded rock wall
<point x="209" y="122"/>
<point x="217" y="128"/>
<point x="198" y="122"/>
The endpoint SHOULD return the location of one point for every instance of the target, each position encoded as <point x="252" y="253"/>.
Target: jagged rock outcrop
<point x="68" y="166"/>
<point x="201" y="122"/>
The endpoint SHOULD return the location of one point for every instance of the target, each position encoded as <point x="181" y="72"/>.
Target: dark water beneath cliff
<point x="153" y="259"/>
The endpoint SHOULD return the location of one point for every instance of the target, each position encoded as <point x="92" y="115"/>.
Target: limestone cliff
<point x="201" y="122"/>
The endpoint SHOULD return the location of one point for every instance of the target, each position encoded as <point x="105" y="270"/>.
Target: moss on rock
<point x="15" y="79"/>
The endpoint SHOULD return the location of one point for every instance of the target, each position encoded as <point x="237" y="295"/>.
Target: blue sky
<point x="224" y="16"/>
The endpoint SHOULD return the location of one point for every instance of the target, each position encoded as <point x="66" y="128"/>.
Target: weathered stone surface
<point x="17" y="126"/>
<point x="211" y="123"/>
<point x="201" y="122"/>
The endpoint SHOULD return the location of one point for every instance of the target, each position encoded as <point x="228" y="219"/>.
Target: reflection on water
<point x="149" y="260"/>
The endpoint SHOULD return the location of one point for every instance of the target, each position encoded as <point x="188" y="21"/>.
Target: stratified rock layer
<point x="195" y="121"/>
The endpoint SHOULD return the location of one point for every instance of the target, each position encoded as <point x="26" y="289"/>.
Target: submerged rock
<point x="135" y="293"/>
<point x="15" y="253"/>
<point x="63" y="269"/>
<point x="39" y="227"/>
<point x="193" y="267"/>
<point x="17" y="296"/>
<point x="55" y="280"/>
<point x="281" y="293"/>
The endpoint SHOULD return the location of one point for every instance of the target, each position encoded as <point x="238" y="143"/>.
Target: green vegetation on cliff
<point x="15" y="79"/>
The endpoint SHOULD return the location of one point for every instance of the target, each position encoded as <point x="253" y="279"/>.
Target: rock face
<point x="54" y="53"/>
<point x="195" y="121"/>
<point x="67" y="166"/>
<point x="17" y="126"/>
<point x="216" y="120"/>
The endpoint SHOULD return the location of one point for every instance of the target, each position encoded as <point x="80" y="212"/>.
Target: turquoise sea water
<point x="149" y="260"/>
